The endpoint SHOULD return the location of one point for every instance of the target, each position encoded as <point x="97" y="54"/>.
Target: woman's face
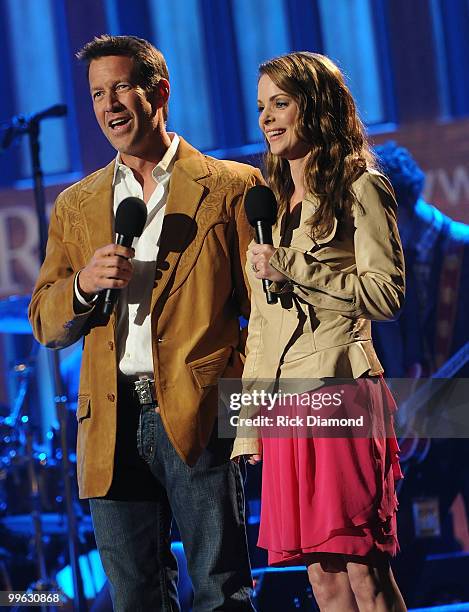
<point x="278" y="113"/>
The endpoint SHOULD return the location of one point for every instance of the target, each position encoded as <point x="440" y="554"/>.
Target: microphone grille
<point x="260" y="205"/>
<point x="131" y="216"/>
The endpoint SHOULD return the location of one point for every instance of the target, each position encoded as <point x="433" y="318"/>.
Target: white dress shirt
<point x="134" y="345"/>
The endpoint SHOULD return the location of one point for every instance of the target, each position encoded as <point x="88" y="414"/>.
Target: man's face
<point x="127" y="115"/>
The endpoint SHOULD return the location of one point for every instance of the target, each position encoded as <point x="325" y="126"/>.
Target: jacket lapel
<point x="180" y="230"/>
<point x="301" y="238"/>
<point x="277" y="230"/>
<point x="96" y="208"/>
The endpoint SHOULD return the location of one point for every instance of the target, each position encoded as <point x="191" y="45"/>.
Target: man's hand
<point x="260" y="255"/>
<point x="109" y="268"/>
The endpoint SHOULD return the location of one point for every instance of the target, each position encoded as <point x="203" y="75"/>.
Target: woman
<point x="336" y="264"/>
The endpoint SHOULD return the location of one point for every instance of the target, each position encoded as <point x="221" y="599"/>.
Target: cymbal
<point x="14" y="315"/>
<point x="51" y="523"/>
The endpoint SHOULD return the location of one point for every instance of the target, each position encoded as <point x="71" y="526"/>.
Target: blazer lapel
<point x="180" y="229"/>
<point x="96" y="210"/>
<point x="301" y="238"/>
<point x="277" y="230"/>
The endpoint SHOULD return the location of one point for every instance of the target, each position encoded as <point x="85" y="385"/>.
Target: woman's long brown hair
<point x="328" y="122"/>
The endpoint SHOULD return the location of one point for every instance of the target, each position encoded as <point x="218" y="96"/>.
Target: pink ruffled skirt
<point x="333" y="494"/>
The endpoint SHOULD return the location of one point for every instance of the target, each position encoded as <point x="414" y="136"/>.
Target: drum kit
<point x="34" y="517"/>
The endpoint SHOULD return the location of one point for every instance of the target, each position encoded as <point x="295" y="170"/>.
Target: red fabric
<point x="334" y="495"/>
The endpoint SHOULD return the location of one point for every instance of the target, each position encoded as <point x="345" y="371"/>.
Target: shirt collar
<point x="162" y="169"/>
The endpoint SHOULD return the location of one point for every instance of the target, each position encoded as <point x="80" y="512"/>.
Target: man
<point x="433" y="326"/>
<point x="145" y="460"/>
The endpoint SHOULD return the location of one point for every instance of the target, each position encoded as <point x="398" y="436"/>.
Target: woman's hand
<point x="253" y="459"/>
<point x="260" y="255"/>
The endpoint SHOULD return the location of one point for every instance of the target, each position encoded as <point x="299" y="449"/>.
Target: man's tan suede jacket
<point x="199" y="291"/>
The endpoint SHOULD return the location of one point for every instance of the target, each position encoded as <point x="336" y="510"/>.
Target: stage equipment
<point x="30" y="126"/>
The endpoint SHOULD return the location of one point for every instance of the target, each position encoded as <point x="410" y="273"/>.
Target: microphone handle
<point x="111" y="295"/>
<point x="264" y="236"/>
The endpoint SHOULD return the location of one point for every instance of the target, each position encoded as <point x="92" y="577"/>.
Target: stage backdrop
<point x="442" y="149"/>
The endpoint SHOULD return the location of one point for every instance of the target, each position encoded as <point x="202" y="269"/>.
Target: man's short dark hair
<point x="150" y="64"/>
<point x="405" y="174"/>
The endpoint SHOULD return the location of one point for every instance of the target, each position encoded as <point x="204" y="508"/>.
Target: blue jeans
<point x="132" y="523"/>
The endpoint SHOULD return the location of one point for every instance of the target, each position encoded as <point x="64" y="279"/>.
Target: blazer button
<point x="111" y="397"/>
<point x="159" y="340"/>
<point x="110" y="345"/>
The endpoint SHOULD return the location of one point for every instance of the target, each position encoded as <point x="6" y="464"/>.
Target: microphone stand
<point x="30" y="126"/>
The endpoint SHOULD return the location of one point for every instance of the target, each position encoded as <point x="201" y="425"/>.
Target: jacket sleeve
<point x="51" y="311"/>
<point x="375" y="287"/>
<point x="247" y="441"/>
<point x="240" y="239"/>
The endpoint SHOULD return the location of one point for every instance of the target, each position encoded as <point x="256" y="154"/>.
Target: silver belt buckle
<point x="145" y="390"/>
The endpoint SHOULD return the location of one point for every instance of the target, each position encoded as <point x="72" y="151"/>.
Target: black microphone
<point x="131" y="216"/>
<point x="261" y="211"/>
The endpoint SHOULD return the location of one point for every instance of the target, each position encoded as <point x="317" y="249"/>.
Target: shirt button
<point x="111" y="397"/>
<point x="110" y="345"/>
